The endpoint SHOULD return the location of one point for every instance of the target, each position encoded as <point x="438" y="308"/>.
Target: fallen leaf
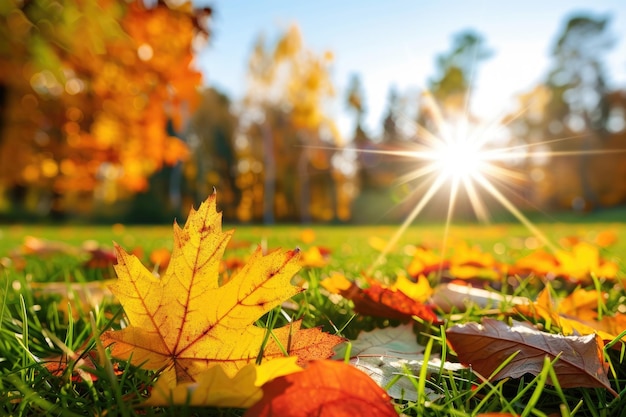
<point x="185" y="322"/>
<point x="380" y="301"/>
<point x="323" y="389"/>
<point x="385" y="354"/>
<point x="314" y="257"/>
<point x="336" y="283"/>
<point x="606" y="238"/>
<point x="458" y="296"/>
<point x="399" y="342"/>
<point x="82" y="366"/>
<point x="100" y="258"/>
<point x="426" y="261"/>
<point x="386" y="370"/>
<point x="160" y="258"/>
<point x="486" y="346"/>
<point x="307" y="236"/>
<point x="418" y="290"/>
<point x="576" y="314"/>
<point x="377" y="243"/>
<point x="35" y="246"/>
<point x="215" y="388"/>
<point x="583" y="261"/>
<point x="82" y="296"/>
<point x="538" y="262"/>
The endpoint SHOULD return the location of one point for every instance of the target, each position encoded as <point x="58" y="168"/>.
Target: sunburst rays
<point x="464" y="157"/>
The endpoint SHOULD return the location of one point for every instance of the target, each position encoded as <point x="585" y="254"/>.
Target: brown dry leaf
<point x="486" y="346"/>
<point x="185" y="322"/>
<point x="82" y="296"/>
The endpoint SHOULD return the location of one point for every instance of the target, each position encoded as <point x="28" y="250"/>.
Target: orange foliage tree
<point x="87" y="90"/>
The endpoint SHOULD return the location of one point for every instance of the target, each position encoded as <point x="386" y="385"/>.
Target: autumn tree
<point x="88" y="88"/>
<point x="578" y="104"/>
<point x="284" y="129"/>
<point x="574" y="114"/>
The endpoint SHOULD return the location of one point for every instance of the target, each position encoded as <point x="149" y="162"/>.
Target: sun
<point x="459" y="159"/>
<point x="463" y="157"/>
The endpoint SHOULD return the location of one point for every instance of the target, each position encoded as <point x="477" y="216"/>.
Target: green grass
<point x="34" y="326"/>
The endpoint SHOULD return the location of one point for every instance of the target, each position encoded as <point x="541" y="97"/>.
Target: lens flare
<point x="459" y="160"/>
<point x="468" y="158"/>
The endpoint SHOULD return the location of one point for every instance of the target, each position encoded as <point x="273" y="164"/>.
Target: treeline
<point x="101" y="120"/>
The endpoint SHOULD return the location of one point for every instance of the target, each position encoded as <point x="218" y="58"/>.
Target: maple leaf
<point x="323" y="388"/>
<point x="486" y="346"/>
<point x="186" y="321"/>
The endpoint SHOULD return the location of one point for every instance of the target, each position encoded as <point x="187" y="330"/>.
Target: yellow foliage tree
<point x="289" y="85"/>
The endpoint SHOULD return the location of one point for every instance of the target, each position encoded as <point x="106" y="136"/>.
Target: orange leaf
<point x="82" y="365"/>
<point x="486" y="346"/>
<point x="336" y="283"/>
<point x="606" y="238"/>
<point x="160" y="258"/>
<point x="314" y="257"/>
<point x="380" y="301"/>
<point x="186" y="322"/>
<point x="324" y="389"/>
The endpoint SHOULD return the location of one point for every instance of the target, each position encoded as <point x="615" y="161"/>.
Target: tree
<point x="285" y="125"/>
<point x="88" y="89"/>
<point x="456" y="70"/>
<point x="578" y="105"/>
<point x="355" y="101"/>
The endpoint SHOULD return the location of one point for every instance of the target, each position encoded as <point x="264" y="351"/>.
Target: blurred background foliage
<point x="103" y="118"/>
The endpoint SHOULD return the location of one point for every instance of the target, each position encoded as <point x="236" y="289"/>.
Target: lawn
<point x="41" y="320"/>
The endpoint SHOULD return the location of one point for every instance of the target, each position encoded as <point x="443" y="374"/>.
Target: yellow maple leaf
<point x="215" y="388"/>
<point x="186" y="322"/>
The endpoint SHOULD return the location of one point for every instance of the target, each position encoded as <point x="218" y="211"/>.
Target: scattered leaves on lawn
<point x="185" y="322"/>
<point x="486" y="346"/>
<point x="324" y="389"/>
<point x="576" y="314"/>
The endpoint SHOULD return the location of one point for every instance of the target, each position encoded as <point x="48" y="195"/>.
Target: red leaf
<point x="486" y="346"/>
<point x="379" y="301"/>
<point x="323" y="389"/>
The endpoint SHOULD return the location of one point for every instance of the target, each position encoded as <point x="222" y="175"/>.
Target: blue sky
<point x="396" y="43"/>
